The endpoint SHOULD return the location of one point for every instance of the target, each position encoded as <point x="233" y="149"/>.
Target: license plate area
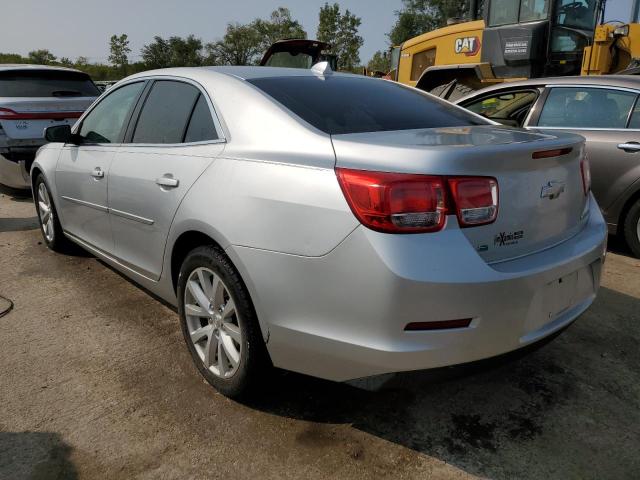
<point x="559" y="295"/>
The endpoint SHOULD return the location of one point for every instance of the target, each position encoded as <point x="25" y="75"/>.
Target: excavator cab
<point x="538" y="38"/>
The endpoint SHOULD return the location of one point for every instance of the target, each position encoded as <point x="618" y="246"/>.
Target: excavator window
<point x="579" y="14"/>
<point x="506" y="12"/>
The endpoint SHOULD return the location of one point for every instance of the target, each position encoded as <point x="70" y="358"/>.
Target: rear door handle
<point x="97" y="173"/>
<point x="167" y="182"/>
<point x="630" y="147"/>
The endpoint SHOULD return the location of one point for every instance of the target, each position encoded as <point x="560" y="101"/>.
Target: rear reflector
<point x="8" y="114"/>
<point x="552" y="153"/>
<point x="440" y="325"/>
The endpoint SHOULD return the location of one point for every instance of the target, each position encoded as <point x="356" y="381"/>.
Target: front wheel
<point x="632" y="228"/>
<point x="219" y="323"/>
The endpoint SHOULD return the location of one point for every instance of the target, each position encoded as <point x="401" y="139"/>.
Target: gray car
<point x="335" y="225"/>
<point x="603" y="109"/>
<point x="32" y="98"/>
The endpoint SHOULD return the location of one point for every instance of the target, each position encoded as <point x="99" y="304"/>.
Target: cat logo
<point x="470" y="46"/>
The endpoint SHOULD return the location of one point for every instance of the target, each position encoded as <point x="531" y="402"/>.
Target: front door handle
<point x="630" y="147"/>
<point x="167" y="182"/>
<point x="97" y="173"/>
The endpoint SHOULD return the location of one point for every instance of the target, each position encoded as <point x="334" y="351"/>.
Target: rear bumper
<point x="14" y="174"/>
<point x="342" y="316"/>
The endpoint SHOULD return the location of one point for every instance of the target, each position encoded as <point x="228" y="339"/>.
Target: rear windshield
<point x="43" y="83"/>
<point x="340" y="105"/>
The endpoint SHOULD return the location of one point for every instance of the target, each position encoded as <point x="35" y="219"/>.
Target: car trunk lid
<point x="541" y="200"/>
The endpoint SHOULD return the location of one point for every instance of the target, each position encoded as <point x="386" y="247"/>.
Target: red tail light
<point x="395" y="202"/>
<point x="476" y="199"/>
<point x="585" y="169"/>
<point x="408" y="203"/>
<point x="8" y="114"/>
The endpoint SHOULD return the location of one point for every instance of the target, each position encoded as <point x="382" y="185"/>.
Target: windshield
<point x="286" y="59"/>
<point x="505" y="12"/>
<point x="346" y="104"/>
<point x="580" y="14"/>
<point x="46" y="83"/>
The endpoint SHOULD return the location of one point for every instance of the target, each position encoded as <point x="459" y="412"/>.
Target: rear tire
<point x="50" y="226"/>
<point x="221" y="327"/>
<point x="632" y="229"/>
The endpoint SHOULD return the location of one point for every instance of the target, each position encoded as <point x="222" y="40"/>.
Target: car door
<point x="602" y="116"/>
<point x="82" y="169"/>
<point x="170" y="144"/>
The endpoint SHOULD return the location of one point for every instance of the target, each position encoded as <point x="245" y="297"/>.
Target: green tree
<point x="157" y="54"/>
<point x="241" y="45"/>
<point x="11" y="58"/>
<point x="280" y="26"/>
<point x="379" y="62"/>
<point x="42" y="57"/>
<point x="66" y="62"/>
<point x="341" y="31"/>
<point x="421" y="16"/>
<point x="185" y="52"/>
<point x="119" y="48"/>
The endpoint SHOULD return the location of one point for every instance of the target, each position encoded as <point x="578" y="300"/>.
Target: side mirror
<point x="59" y="134"/>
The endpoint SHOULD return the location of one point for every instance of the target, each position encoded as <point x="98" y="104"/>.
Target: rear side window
<point x="586" y="108"/>
<point x="166" y="112"/>
<point x="46" y="83"/>
<point x="201" y="127"/>
<point x="341" y="105"/>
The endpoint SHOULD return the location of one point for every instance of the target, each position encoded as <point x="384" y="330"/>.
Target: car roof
<point x="4" y="67"/>
<point x="620" y="81"/>
<point x="243" y="73"/>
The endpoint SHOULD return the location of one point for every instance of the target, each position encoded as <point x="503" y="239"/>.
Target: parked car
<point x="603" y="109"/>
<point x="33" y="97"/>
<point x="335" y="225"/>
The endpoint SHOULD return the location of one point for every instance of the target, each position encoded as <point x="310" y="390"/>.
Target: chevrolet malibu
<point x="338" y="226"/>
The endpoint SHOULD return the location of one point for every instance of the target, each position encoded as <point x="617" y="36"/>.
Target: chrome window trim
<point x="217" y="122"/>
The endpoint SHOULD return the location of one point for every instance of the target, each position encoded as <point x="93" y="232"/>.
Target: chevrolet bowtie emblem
<point x="552" y="190"/>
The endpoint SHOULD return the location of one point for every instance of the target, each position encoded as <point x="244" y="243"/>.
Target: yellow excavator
<point x="509" y="40"/>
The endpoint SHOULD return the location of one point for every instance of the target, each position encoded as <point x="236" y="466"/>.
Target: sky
<point x="73" y="28"/>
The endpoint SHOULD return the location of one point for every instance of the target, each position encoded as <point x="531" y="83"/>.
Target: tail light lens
<point x="407" y="203"/>
<point x="395" y="202"/>
<point x="585" y="169"/>
<point x="476" y="200"/>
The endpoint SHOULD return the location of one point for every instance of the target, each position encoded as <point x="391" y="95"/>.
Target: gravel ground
<point x="97" y="383"/>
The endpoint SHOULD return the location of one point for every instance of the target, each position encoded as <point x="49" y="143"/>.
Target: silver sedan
<point x="335" y="225"/>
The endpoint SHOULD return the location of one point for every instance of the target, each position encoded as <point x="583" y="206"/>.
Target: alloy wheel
<point x="213" y="322"/>
<point x="45" y="212"/>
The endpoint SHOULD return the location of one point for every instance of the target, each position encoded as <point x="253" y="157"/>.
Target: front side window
<point x="350" y="104"/>
<point x="105" y="123"/>
<point x="508" y="108"/>
<point x="586" y="108"/>
<point x="166" y="112"/>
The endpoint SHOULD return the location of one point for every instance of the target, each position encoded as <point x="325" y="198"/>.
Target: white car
<point x="32" y="98"/>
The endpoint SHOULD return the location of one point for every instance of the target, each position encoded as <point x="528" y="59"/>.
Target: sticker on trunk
<point x="505" y="239"/>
